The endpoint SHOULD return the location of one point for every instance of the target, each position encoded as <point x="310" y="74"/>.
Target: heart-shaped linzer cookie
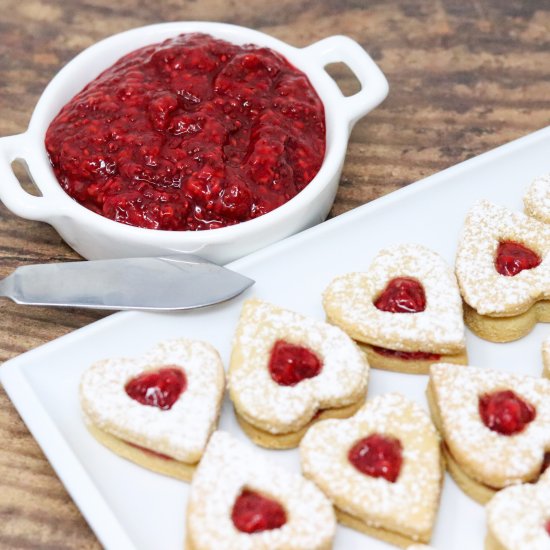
<point x="286" y="369"/>
<point x="495" y="425"/>
<point x="238" y="500"/>
<point x="518" y="518"/>
<point x="405" y="310"/>
<point x="503" y="269"/>
<point x="159" y="409"/>
<point x="381" y="468"/>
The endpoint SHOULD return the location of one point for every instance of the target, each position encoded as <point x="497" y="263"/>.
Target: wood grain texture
<point x="465" y="76"/>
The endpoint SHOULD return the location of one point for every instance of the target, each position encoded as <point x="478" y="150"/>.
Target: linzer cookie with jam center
<point x="503" y="269"/>
<point x="537" y="199"/>
<point x="405" y="310"/>
<point x="288" y="371"/>
<point x="518" y="518"/>
<point x="382" y="469"/>
<point x="157" y="410"/>
<point x="239" y="501"/>
<point x="495" y="426"/>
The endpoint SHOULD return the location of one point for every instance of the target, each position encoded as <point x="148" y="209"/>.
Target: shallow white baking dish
<point x="94" y="236"/>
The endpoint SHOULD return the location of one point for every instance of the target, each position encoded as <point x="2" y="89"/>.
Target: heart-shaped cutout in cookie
<point x="159" y="409"/>
<point x="157" y="388"/>
<point x="402" y="295"/>
<point x="503" y="269"/>
<point x="496" y="426"/>
<point x="512" y="258"/>
<point x="289" y="364"/>
<point x="405" y="310"/>
<point x="253" y="512"/>
<point x="395" y="495"/>
<point x="518" y="518"/>
<point x="239" y="500"/>
<point x="287" y="368"/>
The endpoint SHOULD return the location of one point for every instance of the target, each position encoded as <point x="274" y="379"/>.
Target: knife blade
<point x="182" y="281"/>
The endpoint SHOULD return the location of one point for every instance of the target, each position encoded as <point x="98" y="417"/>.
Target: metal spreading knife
<point x="184" y="281"/>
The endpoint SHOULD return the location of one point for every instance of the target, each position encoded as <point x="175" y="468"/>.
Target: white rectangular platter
<point x="132" y="508"/>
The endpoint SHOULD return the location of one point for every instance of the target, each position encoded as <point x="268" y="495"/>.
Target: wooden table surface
<point x="465" y="76"/>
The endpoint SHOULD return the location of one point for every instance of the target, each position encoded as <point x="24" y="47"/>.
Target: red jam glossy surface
<point x="505" y="412"/>
<point x="191" y="134"/>
<point x="402" y="295"/>
<point x="159" y="388"/>
<point x="377" y="456"/>
<point x="253" y="512"/>
<point x="547" y="527"/>
<point x="289" y="364"/>
<point x="407" y="355"/>
<point x="317" y="414"/>
<point x="512" y="258"/>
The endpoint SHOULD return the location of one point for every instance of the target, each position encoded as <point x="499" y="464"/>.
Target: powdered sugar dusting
<point x="283" y="409"/>
<point x="349" y="303"/>
<point x="489" y="457"/>
<point x="516" y="517"/>
<point x="408" y="505"/>
<point x="546" y="357"/>
<point x="226" y="468"/>
<point x="180" y="432"/>
<point x="537" y="199"/>
<point x="483" y="288"/>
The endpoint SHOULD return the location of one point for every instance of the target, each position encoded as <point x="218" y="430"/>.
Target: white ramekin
<point x="94" y="236"/>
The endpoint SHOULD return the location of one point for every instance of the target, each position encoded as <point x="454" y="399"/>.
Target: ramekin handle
<point x="374" y="86"/>
<point x="12" y="194"/>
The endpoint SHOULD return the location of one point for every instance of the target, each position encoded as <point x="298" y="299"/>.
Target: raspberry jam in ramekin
<point x="194" y="133"/>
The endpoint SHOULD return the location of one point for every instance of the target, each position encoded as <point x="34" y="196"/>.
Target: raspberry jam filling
<point x="149" y="451"/>
<point x="512" y="258"/>
<point x="289" y="364"/>
<point x="545" y="462"/>
<point x="547" y="527"/>
<point x="407" y="355"/>
<point x="194" y="133"/>
<point x="402" y="295"/>
<point x="159" y="388"/>
<point x="505" y="412"/>
<point x="377" y="456"/>
<point x="253" y="512"/>
<point x="317" y="414"/>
